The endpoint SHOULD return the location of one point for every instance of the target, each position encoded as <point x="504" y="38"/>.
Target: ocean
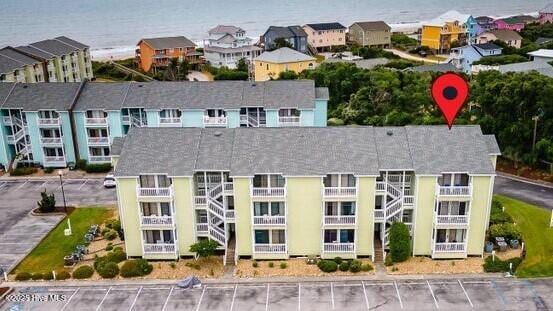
<point x="115" y="26"/>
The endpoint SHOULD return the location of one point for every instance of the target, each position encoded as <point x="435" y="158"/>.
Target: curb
<point x="544" y="184"/>
<point x="47" y="178"/>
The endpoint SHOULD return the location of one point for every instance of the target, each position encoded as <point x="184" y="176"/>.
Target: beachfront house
<point x="154" y="53"/>
<point x="472" y="29"/>
<point x="546" y="14"/>
<point x="324" y="36"/>
<point x="271" y="63"/>
<point x="543" y="55"/>
<point x="463" y="57"/>
<point x="509" y="37"/>
<point x="60" y="59"/>
<point x="228" y="44"/>
<point x="485" y="23"/>
<point x="372" y="34"/>
<point x="294" y="35"/>
<point x="441" y="36"/>
<point x="516" y="23"/>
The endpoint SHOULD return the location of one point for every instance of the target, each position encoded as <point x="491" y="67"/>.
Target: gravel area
<point x="425" y="265"/>
<point x="295" y="268"/>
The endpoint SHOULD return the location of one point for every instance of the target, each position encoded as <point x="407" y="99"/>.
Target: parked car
<point x="109" y="181"/>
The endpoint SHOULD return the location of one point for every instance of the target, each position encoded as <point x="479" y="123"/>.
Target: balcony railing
<point x="96" y="121"/>
<point x="200" y="201"/>
<point x="454" y="190"/>
<point x="98" y="141"/>
<point x="49" y="122"/>
<point x="8" y="121"/>
<point x="339" y="247"/>
<point x="215" y="121"/>
<point x="159" y="248"/>
<point x="449" y="247"/>
<point x="378" y="214"/>
<point x="452" y="219"/>
<point x="268" y="192"/>
<point x="380" y="186"/>
<point x="12" y="139"/>
<point x="228" y="187"/>
<point x="202" y="227"/>
<point x="339" y="220"/>
<point x="289" y="121"/>
<point x="154" y="192"/>
<point x="170" y="122"/>
<point x="269" y="220"/>
<point x="340" y="191"/>
<point x="270" y="248"/>
<point x="58" y="161"/>
<point x="229" y="214"/>
<point x="51" y="140"/>
<point x="99" y="159"/>
<point x="409" y="200"/>
<point x="153" y="220"/>
<point x="126" y="120"/>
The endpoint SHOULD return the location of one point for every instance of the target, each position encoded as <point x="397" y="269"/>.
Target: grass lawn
<point x="538" y="237"/>
<point x="48" y="255"/>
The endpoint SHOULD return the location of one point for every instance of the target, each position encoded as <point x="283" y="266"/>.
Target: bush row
<point x="24" y="276"/>
<point x="499" y="265"/>
<point x="343" y="265"/>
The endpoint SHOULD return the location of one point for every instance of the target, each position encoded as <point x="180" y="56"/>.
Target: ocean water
<point x="119" y="24"/>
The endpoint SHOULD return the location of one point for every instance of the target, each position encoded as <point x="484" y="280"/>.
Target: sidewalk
<point x="540" y="183"/>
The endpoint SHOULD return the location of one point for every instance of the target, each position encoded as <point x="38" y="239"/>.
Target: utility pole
<point x="60" y="173"/>
<point x="535" y="119"/>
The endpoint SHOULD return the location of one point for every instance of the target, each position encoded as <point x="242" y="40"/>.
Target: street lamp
<point x="60" y="173"/>
<point x="535" y="119"/>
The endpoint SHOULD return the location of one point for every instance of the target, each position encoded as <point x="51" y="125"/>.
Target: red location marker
<point x="450" y="92"/>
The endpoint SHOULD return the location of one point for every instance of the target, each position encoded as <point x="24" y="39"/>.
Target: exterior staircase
<point x="230" y="252"/>
<point x="216" y="215"/>
<point x="378" y="255"/>
<point x="393" y="209"/>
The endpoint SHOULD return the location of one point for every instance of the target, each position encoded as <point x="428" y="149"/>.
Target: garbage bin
<point x="514" y="243"/>
<point x="488" y="248"/>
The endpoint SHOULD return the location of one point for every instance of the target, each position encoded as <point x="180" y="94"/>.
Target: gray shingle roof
<point x="284" y="55"/>
<point x="5" y="89"/>
<point x="375" y="25"/>
<point x="54" y="46"/>
<point x="38" y="96"/>
<point x="35" y="52"/>
<point x="504" y="34"/>
<point x="287" y="31"/>
<point x="11" y="59"/>
<point x="311" y="151"/>
<point x="523" y="67"/>
<point x="117" y="145"/>
<point x="229" y="29"/>
<point x="71" y="42"/>
<point x="102" y="96"/>
<point x="169" y="42"/>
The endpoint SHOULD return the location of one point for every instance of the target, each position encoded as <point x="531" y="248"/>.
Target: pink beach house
<point x="546" y="14"/>
<point x="516" y="23"/>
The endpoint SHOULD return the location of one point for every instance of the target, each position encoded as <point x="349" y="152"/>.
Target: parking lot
<point x="448" y="294"/>
<point x="19" y="231"/>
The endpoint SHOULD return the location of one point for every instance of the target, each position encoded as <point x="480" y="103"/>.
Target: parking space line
<point x="332" y="294"/>
<point x="365" y="293"/>
<point x="82" y="185"/>
<point x="477" y="282"/>
<point x="69" y="300"/>
<point x="537" y="299"/>
<point x="299" y="296"/>
<point x="201" y="297"/>
<point x="3" y="184"/>
<point x="22" y="185"/>
<point x="233" y="296"/>
<point x="499" y="293"/>
<point x="398" y="296"/>
<point x="41" y="185"/>
<point x="379" y="284"/>
<point x="167" y="299"/>
<point x="432" y="292"/>
<point x="466" y="294"/>
<point x="267" y="299"/>
<point x="136" y="298"/>
<point x="101" y="302"/>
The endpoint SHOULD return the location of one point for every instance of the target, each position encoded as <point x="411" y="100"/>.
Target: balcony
<point x="228" y="188"/>
<point x="215" y="121"/>
<point x="229" y="214"/>
<point x="451" y="220"/>
<point x="93" y="122"/>
<point x="339" y="247"/>
<point x="449" y="247"/>
<point x="99" y="159"/>
<point x="202" y="228"/>
<point x="154" y="193"/>
<point x="200" y="201"/>
<point x="49" y="122"/>
<point x="289" y="121"/>
<point x="170" y="122"/>
<point x="378" y="214"/>
<point x="448" y="192"/>
<point x="268" y="192"/>
<point x="380" y="186"/>
<point x="51" y="141"/>
<point x="54" y="161"/>
<point x="337" y="192"/>
<point x="98" y="141"/>
<point x="156" y="221"/>
<point x="126" y="120"/>
<point x="159" y="248"/>
<point x="408" y="200"/>
<point x="270" y="248"/>
<point x="269" y="220"/>
<point x="8" y="121"/>
<point x="339" y="220"/>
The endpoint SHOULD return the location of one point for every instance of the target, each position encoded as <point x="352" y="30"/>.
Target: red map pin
<point x="450" y="92"/>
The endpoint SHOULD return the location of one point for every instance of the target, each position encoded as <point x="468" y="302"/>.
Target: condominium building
<point x="17" y="67"/>
<point x="275" y="193"/>
<point x="54" y="124"/>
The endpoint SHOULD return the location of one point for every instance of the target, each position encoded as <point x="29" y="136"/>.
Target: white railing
<point x="249" y="120"/>
<point x="379" y="214"/>
<point x="270" y="248"/>
<point x="50" y="140"/>
<point x="339" y="220"/>
<point x="200" y="201"/>
<point x="54" y="160"/>
<point x="393" y="190"/>
<point x="380" y="186"/>
<point x="16" y="137"/>
<point x="449" y="247"/>
<point x="52" y="121"/>
<point x="170" y="121"/>
<point x="126" y="119"/>
<point x="228" y="187"/>
<point x="99" y="159"/>
<point x="454" y="190"/>
<point x="215" y="121"/>
<point x="202" y="227"/>
<point x="218" y="235"/>
<point x="268" y="192"/>
<point x="289" y="121"/>
<point x="159" y="248"/>
<point x="340" y="191"/>
<point x="96" y="121"/>
<point x="409" y="200"/>
<point x="153" y="220"/>
<point x="216" y="207"/>
<point x="339" y="247"/>
<point x="393" y="208"/>
<point x="215" y="192"/>
<point x="154" y="192"/>
<point x="452" y="219"/>
<point x="98" y="140"/>
<point x="269" y="220"/>
<point x="229" y="214"/>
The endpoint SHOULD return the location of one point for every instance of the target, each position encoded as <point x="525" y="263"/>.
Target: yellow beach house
<point x="276" y="193"/>
<point x="270" y="64"/>
<point x="440" y="37"/>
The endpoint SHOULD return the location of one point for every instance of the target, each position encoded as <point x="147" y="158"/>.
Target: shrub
<point x="366" y="267"/>
<point x="338" y="260"/>
<point x="21" y="171"/>
<point x="83" y="272"/>
<point x="355" y="266"/>
<point x="47" y="203"/>
<point x="62" y="275"/>
<point x="109" y="248"/>
<point x="327" y="266"/>
<point x="499" y="265"/>
<point x="115" y="256"/>
<point x="114" y="224"/>
<point x="388" y="261"/>
<point x="48" y="276"/>
<point x="255" y="264"/>
<point x="108" y="270"/>
<point x="48" y="170"/>
<point x="137" y="267"/>
<point x="344" y="266"/>
<point x="80" y="165"/>
<point x="271" y="264"/>
<point x="23" y="276"/>
<point x="231" y="75"/>
<point x="37" y="276"/>
<point x="506" y="230"/>
<point x="204" y="248"/>
<point x="288" y="75"/>
<point x="283" y="265"/>
<point x="110" y="235"/>
<point x="335" y="122"/>
<point x="400" y="242"/>
<point x="98" y="168"/>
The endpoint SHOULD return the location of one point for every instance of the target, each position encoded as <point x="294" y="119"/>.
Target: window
<point x="289" y="112"/>
<point x="450" y="235"/>
<point x="278" y="237"/>
<point x="339" y="180"/>
<point x="261" y="236"/>
<point x="158" y="237"/>
<point x="155" y="181"/>
<point x="268" y="181"/>
<point x="339" y="236"/>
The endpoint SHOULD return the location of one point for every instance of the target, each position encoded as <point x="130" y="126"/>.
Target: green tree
<point x="47" y="204"/>
<point x="242" y="65"/>
<point x="204" y="248"/>
<point x="183" y="70"/>
<point x="282" y="43"/>
<point x="400" y="242"/>
<point x="287" y="75"/>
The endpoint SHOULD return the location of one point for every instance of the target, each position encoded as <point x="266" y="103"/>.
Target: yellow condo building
<point x="270" y="193"/>
<point x="439" y="37"/>
<point x="270" y="64"/>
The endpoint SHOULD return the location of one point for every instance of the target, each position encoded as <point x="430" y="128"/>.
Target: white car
<point x="109" y="181"/>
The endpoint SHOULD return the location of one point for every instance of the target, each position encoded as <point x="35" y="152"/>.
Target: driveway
<point x="19" y="231"/>
<point x="420" y="294"/>
<point x="406" y="55"/>
<point x="532" y="193"/>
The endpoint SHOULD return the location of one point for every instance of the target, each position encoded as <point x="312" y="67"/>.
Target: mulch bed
<point x="3" y="290"/>
<point x="508" y="166"/>
<point x="59" y="210"/>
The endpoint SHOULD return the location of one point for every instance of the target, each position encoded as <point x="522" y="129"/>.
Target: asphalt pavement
<point x="536" y="194"/>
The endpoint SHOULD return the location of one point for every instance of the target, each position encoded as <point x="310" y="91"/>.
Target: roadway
<point x="537" y="194"/>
